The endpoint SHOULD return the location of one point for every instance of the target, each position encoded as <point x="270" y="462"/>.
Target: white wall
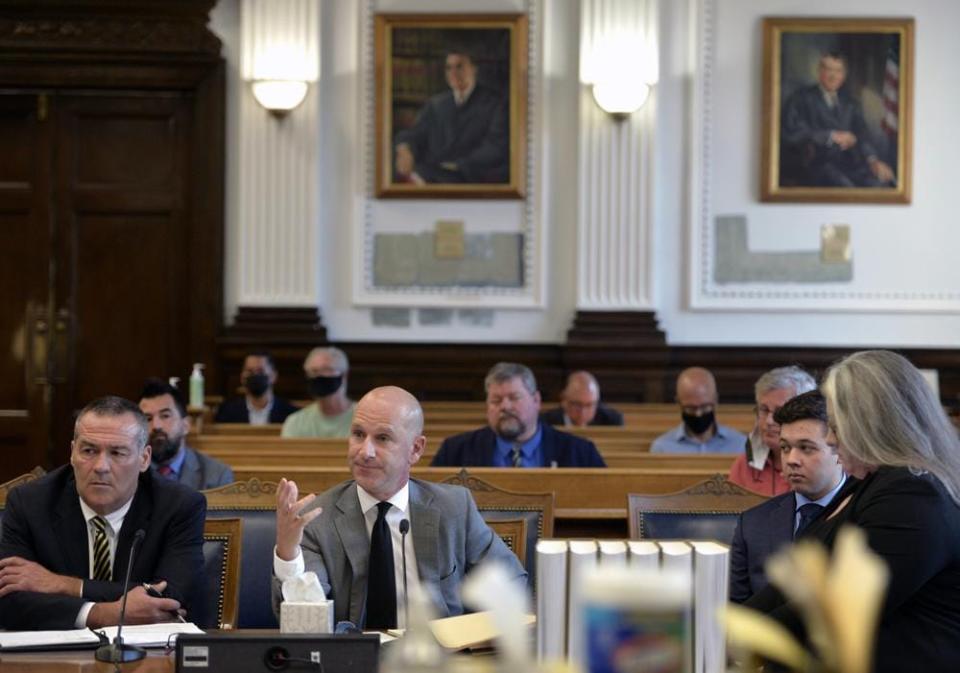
<point x="905" y="289"/>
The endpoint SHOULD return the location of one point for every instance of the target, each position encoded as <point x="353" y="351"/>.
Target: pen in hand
<point x="152" y="591"/>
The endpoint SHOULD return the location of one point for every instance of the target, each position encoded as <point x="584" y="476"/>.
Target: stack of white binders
<point x="562" y="566"/>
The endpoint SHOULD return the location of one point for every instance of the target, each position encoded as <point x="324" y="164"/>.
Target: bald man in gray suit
<point x="340" y="534"/>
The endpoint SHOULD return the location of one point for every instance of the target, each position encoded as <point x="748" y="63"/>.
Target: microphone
<point x="117" y="652"/>
<point x="404" y="529"/>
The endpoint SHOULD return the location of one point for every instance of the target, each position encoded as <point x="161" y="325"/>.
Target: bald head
<point x="386" y="440"/>
<point x="580" y="397"/>
<point x="696" y="381"/>
<point x="407" y="411"/>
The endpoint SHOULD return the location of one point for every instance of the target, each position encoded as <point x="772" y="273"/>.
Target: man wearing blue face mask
<point x="332" y="413"/>
<point x="699" y="431"/>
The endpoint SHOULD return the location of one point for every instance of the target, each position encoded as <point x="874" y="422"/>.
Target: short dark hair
<point x="462" y="50"/>
<point x="836" y="56"/>
<point x="810" y="405"/>
<point x="155" y="387"/>
<point x="265" y="355"/>
<point x="113" y="406"/>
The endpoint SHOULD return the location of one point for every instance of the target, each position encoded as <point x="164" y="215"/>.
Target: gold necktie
<point x="101" y="550"/>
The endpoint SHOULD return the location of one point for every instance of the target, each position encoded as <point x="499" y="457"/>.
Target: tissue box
<point x="296" y="617"/>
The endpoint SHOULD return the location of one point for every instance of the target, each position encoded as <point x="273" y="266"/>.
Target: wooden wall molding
<point x="625" y="350"/>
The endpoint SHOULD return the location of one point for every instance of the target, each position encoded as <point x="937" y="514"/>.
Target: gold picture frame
<point x="446" y="85"/>
<point x="837" y="110"/>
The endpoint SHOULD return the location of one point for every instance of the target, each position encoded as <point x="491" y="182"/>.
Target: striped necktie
<point x="517" y="455"/>
<point x="101" y="550"/>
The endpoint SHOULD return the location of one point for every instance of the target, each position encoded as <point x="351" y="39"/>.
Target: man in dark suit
<point x="815" y="476"/>
<point x="351" y="534"/>
<point x="259" y="406"/>
<point x="461" y="135"/>
<point x="67" y="536"/>
<point x="514" y="437"/>
<point x="826" y="141"/>
<point x="166" y="414"/>
<point x="580" y="404"/>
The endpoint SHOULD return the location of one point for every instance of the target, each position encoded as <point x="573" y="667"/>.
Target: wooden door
<point x="99" y="198"/>
<point x="25" y="287"/>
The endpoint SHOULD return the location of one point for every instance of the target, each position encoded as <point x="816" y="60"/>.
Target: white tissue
<point x="304" y="588"/>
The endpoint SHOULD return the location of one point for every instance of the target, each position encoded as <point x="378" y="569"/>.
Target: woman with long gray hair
<point x="893" y="436"/>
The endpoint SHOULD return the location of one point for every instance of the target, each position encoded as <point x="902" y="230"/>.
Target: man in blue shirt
<point x="815" y="476"/>
<point x="514" y="437"/>
<point x="698" y="431"/>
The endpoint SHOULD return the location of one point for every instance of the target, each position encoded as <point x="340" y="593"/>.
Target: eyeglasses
<point x="764" y="410"/>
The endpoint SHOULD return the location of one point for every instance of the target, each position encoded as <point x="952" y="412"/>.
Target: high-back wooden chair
<point x="253" y="502"/>
<point x="707" y="510"/>
<point x="222" y="547"/>
<point x="498" y="504"/>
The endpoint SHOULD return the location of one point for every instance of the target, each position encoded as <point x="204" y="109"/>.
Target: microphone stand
<point x="404" y="529"/>
<point x="117" y="652"/>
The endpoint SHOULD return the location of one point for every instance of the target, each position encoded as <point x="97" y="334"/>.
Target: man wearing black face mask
<point x="259" y="406"/>
<point x="332" y="413"/>
<point x="699" y="431"/>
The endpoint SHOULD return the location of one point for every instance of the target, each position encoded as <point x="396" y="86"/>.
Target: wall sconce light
<point x="279" y="96"/>
<point x="620" y="98"/>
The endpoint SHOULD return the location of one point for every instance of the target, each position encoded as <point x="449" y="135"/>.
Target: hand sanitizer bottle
<point x="196" y="385"/>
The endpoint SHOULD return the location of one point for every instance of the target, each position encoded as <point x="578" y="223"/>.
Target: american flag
<point x="891" y="92"/>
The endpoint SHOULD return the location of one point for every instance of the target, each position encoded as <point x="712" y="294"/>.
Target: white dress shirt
<point x="368" y="504"/>
<point x="112" y="529"/>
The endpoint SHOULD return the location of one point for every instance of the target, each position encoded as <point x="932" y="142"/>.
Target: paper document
<point x="143" y="635"/>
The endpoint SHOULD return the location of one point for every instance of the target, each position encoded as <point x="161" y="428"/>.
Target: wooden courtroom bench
<point x="239" y="451"/>
<point x="581" y="493"/>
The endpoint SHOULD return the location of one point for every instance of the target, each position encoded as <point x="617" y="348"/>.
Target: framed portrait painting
<point x="451" y="99"/>
<point x="837" y="110"/>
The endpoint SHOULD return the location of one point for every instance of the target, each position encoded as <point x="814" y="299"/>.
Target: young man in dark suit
<point x="815" y="476"/>
<point x="514" y="436"/>
<point x="67" y="536"/>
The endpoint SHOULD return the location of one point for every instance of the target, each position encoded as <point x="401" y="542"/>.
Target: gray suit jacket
<point x="449" y="539"/>
<point x="203" y="472"/>
<point x="760" y="532"/>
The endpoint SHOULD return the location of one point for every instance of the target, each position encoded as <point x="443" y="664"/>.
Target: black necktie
<point x="808" y="513"/>
<point x="381" y="582"/>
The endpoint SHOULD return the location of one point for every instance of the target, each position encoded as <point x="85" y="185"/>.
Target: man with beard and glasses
<point x="332" y="413"/>
<point x="699" y="431"/>
<point x="259" y="406"/>
<point x="166" y="413"/>
<point x="815" y="476"/>
<point x="514" y="436"/>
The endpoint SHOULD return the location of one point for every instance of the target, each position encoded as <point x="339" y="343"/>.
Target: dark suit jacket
<point x="43" y="522"/>
<point x="605" y="416"/>
<point x="477" y="448"/>
<point x="449" y="539"/>
<point x="914" y="526"/>
<point x="806" y="126"/>
<point x="760" y="532"/>
<point x="235" y="411"/>
<point x="202" y="472"/>
<point x="475" y="136"/>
